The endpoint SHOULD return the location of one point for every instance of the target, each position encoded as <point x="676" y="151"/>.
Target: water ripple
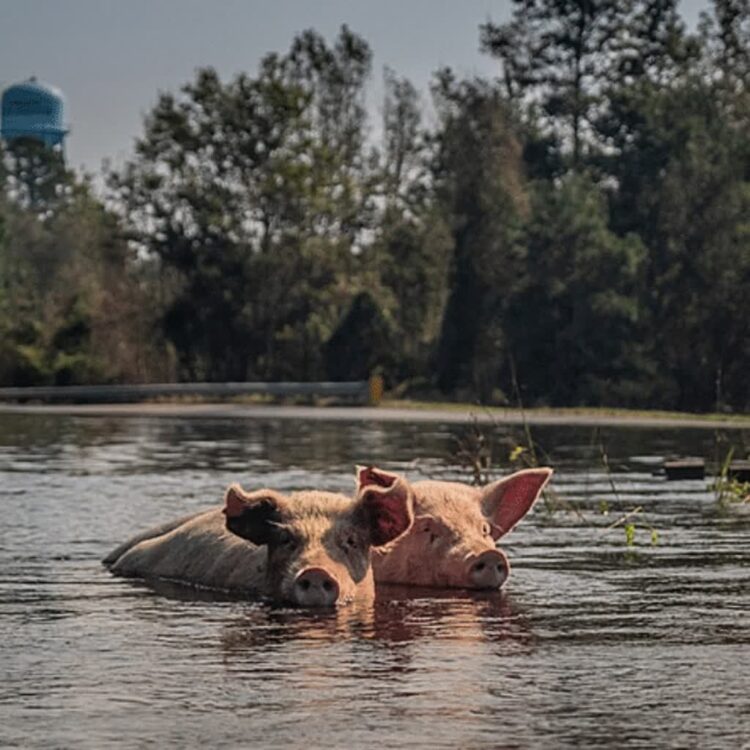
<point x="595" y="644"/>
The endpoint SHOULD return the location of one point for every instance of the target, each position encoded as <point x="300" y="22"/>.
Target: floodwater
<point x="594" y="643"/>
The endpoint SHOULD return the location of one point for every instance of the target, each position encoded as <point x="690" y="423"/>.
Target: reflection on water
<point x="400" y="615"/>
<point x="593" y="644"/>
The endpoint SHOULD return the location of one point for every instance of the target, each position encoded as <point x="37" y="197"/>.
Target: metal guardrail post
<point x="376" y="386"/>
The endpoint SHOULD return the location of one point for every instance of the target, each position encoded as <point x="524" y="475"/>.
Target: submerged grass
<point x="474" y="452"/>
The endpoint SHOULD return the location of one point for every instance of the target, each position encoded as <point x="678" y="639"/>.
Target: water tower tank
<point x="33" y="110"/>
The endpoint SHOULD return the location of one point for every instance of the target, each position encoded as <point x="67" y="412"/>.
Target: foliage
<point x="574" y="232"/>
<point x="251" y="197"/>
<point x="480" y="186"/>
<point x="576" y="305"/>
<point x="72" y="309"/>
<point x="728" y="489"/>
<point x="553" y="56"/>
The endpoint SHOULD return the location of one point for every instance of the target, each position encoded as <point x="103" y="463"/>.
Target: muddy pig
<point x="308" y="549"/>
<point x="452" y="542"/>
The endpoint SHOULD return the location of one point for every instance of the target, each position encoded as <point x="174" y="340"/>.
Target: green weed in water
<point x="728" y="490"/>
<point x="630" y="534"/>
<point x="474" y="452"/>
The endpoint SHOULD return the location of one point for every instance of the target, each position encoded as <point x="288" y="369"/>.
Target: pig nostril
<point x="304" y="584"/>
<point x="327" y="586"/>
<point x="479" y="567"/>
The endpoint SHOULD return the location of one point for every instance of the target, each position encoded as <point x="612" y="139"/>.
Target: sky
<point x="111" y="58"/>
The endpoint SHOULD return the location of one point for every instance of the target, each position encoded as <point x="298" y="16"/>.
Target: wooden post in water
<point x="685" y="468"/>
<point x="739" y="471"/>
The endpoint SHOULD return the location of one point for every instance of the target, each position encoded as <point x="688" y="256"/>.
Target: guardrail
<point x="362" y="392"/>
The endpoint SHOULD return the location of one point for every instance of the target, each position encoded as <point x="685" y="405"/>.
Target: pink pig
<point x="452" y="540"/>
<point x="308" y="548"/>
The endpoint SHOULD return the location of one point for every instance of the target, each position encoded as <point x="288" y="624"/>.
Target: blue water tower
<point x="33" y="110"/>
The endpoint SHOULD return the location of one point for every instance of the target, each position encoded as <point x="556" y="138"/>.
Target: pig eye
<point x="351" y="542"/>
<point x="431" y="531"/>
<point x="286" y="540"/>
<point x="486" y="529"/>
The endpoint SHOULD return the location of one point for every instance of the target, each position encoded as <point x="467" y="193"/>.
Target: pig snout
<point x="488" y="570"/>
<point x="315" y="587"/>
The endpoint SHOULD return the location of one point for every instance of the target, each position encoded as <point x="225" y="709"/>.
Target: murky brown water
<point x="593" y="645"/>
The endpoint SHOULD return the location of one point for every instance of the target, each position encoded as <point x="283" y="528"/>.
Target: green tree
<point x="480" y="183"/>
<point x="726" y="40"/>
<point x="678" y="154"/>
<point x="682" y="166"/>
<point x="252" y="196"/>
<point x="559" y="58"/>
<point x="363" y="342"/>
<point x="573" y="322"/>
<point x="406" y="266"/>
<point x="553" y="54"/>
<point x="72" y="309"/>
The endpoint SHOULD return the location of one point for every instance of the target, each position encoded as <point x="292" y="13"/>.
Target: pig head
<point x="452" y="542"/>
<point x="318" y="543"/>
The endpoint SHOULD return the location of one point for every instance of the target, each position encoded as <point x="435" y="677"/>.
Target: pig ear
<point x="253" y="515"/>
<point x="508" y="500"/>
<point x="371" y="475"/>
<point x="386" y="510"/>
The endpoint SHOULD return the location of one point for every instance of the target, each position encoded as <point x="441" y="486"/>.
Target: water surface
<point x="593" y="644"/>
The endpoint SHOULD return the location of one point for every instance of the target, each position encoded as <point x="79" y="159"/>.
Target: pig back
<point x="198" y="551"/>
<point x="152" y="533"/>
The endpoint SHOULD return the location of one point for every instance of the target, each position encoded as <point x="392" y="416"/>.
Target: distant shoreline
<point x="392" y="411"/>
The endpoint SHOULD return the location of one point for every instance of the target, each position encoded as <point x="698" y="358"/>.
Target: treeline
<point x="574" y="231"/>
